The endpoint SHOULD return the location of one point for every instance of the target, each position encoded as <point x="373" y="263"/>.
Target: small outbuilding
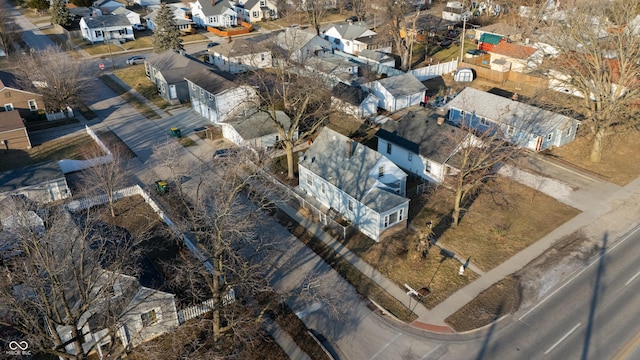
<point x="464" y="75"/>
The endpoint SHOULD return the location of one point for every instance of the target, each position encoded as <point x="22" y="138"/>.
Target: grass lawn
<point x="98" y="49"/>
<point x="66" y="148"/>
<point x="135" y="77"/>
<point x="193" y="37"/>
<point x="138" y="43"/>
<point x="619" y="163"/>
<point x="128" y="97"/>
<point x="505" y="218"/>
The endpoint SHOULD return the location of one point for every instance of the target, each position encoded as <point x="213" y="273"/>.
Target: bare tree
<point x="361" y="7"/>
<point x="58" y="271"/>
<point x="315" y="11"/>
<point x="395" y="24"/>
<point x="8" y="31"/>
<point x="51" y="73"/>
<point x="108" y="173"/>
<point x="302" y="95"/>
<point x="594" y="55"/>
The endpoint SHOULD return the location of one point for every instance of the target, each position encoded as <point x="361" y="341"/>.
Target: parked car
<point x="138" y="59"/>
<point x="212" y="44"/>
<point x="446" y="43"/>
<point x="139" y="27"/>
<point x="222" y="153"/>
<point x="352" y="19"/>
<point x="476" y="52"/>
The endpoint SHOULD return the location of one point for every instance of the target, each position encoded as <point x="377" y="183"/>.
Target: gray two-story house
<point x="168" y="71"/>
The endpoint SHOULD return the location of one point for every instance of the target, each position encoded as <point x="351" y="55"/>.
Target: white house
<point x="255" y="128"/>
<point x="146" y="2"/>
<point x="106" y="27"/>
<point x="519" y="123"/>
<point x="300" y="44"/>
<point x="222" y="14"/>
<point x="397" y="92"/>
<point x="423" y="144"/>
<point x="216" y="98"/>
<point x="107" y="6"/>
<point x="453" y="11"/>
<point x="134" y="17"/>
<point x="252" y="11"/>
<point x="376" y="57"/>
<point x="353" y="100"/>
<point x="357" y="182"/>
<point x="181" y="15"/>
<point x="240" y="55"/>
<point x="353" y="38"/>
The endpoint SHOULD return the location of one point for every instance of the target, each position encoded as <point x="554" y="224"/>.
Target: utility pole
<point x="466" y="15"/>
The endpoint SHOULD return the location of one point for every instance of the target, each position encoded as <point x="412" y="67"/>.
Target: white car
<point x="136" y="60"/>
<point x="139" y="27"/>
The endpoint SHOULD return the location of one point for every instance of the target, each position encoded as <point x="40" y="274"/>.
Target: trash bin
<point x="175" y="132"/>
<point x="161" y="186"/>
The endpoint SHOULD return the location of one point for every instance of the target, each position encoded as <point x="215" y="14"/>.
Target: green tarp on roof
<point x="490" y="38"/>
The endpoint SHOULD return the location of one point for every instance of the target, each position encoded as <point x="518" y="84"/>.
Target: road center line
<point x="632" y="278"/>
<point x="562" y="339"/>
<point x="629" y="234"/>
<point x="385" y="346"/>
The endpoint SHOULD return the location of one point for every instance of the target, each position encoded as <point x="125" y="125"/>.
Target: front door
<point x="172" y="92"/>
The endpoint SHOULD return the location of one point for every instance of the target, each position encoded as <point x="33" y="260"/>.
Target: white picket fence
<point x="431" y="71"/>
<point x="86" y="203"/>
<point x="194" y="311"/>
<point x="68" y="165"/>
<point x="60" y="114"/>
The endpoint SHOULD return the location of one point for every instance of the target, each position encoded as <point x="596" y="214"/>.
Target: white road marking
<point x="562" y="339"/>
<point x="431" y="352"/>
<point x="632" y="278"/>
<point x="385" y="346"/>
<point x="635" y="229"/>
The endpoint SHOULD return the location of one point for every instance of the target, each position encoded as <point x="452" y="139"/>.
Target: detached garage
<point x="397" y="92"/>
<point x="13" y="133"/>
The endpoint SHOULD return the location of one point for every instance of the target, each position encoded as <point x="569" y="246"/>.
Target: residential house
<point x="216" y="97"/>
<point x="333" y="67"/>
<point x="429" y="26"/>
<point x="521" y="124"/>
<point x="181" y="15"/>
<point x="15" y="97"/>
<point x="77" y="13"/>
<point x="488" y="41"/>
<point x="146" y="314"/>
<point x="507" y="56"/>
<point x="301" y="45"/>
<point x="13" y="132"/>
<point x="423" y="144"/>
<point x="44" y="183"/>
<point x="168" y="71"/>
<point x="106" y="28"/>
<point x="377" y="57"/>
<point x="256" y="128"/>
<point x="134" y="17"/>
<point x="359" y="183"/>
<point x="397" y="92"/>
<point x="353" y="38"/>
<point x="240" y="55"/>
<point x="501" y="29"/>
<point x="222" y="14"/>
<point x="354" y="101"/>
<point x="252" y="11"/>
<point x="107" y="6"/>
<point x="453" y="11"/>
<point x="147" y="2"/>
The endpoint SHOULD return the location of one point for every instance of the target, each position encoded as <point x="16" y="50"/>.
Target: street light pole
<point x="466" y="15"/>
<point x="104" y="35"/>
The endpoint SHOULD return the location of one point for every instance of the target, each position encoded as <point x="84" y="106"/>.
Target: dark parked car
<point x="351" y="19"/>
<point x="212" y="44"/>
<point x="446" y="43"/>
<point x="222" y="153"/>
<point x="476" y="52"/>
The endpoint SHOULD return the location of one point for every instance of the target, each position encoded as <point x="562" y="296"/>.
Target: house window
<point x="427" y="166"/>
<point x="193" y="86"/>
<point x="350" y="205"/>
<point x="386" y="221"/>
<point x="410" y="156"/>
<point x="483" y="121"/>
<point x="309" y="180"/>
<point x="400" y="214"/>
<point x="98" y="33"/>
<point x="388" y="148"/>
<point x="393" y="218"/>
<point x="122" y="32"/>
<point x="511" y="130"/>
<point x="8" y="107"/>
<point x="255" y="14"/>
<point x="149" y="318"/>
<point x="381" y="171"/>
<point x="214" y="19"/>
<point x="263" y="3"/>
<point x="550" y="136"/>
<point x="323" y="189"/>
<point x="211" y="97"/>
<point x="33" y="106"/>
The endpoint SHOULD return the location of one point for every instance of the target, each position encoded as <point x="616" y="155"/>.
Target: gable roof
<point x="350" y="94"/>
<point x="174" y="66"/>
<point x="211" y="81"/>
<point x="351" y="31"/>
<point x="402" y="85"/>
<point x="326" y="158"/>
<point x="238" y="47"/>
<point x="513" y="50"/>
<point x="10" y="120"/>
<point x="219" y="8"/>
<point x="418" y="131"/>
<point x="106" y="21"/>
<point x="537" y="121"/>
<point x="9" y="80"/>
<point x="490" y="38"/>
<point x="295" y="39"/>
<point x="30" y="176"/>
<point x="258" y="124"/>
<point x="374" y="55"/>
<point x="122" y="11"/>
<point x="432" y="22"/>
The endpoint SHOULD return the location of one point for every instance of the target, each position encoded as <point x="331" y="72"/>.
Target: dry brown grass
<point x="505" y="218"/>
<point x="66" y="148"/>
<point x="619" y="163"/>
<point x="136" y="78"/>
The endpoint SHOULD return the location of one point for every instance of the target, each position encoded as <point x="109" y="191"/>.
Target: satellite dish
<point x="466" y="16"/>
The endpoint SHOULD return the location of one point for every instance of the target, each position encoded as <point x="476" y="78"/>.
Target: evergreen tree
<point x="166" y="35"/>
<point x="39" y="4"/>
<point x="82" y="3"/>
<point x="59" y="13"/>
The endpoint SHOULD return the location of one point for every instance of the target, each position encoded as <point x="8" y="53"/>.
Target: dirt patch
<point x="500" y="299"/>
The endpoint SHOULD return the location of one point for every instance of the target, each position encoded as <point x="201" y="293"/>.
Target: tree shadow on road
<point x="598" y="288"/>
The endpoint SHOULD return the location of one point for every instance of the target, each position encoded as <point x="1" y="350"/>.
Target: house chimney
<point x="440" y="120"/>
<point x="349" y="148"/>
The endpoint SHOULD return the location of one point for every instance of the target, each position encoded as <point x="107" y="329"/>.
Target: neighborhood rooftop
<point x="29" y="176"/>
<point x="105" y="21"/>
<point x="257" y="124"/>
